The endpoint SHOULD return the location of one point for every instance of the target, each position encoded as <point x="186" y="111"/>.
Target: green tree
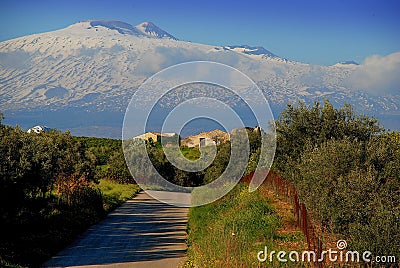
<point x="304" y="125"/>
<point x="117" y="169"/>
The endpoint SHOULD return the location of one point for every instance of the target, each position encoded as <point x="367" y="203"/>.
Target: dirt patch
<point x="289" y="235"/>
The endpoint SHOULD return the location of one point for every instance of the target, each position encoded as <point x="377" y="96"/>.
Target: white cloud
<point x="377" y="75"/>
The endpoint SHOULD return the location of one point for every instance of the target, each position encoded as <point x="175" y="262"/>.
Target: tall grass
<point x="231" y="231"/>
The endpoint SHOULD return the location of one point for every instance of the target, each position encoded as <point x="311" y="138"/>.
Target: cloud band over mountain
<point x="377" y="75"/>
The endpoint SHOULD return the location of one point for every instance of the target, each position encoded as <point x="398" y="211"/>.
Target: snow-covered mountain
<point x="347" y="63"/>
<point x="91" y="69"/>
<point x="143" y="29"/>
<point x="119" y="26"/>
<point x="245" y="49"/>
<point x="149" y="29"/>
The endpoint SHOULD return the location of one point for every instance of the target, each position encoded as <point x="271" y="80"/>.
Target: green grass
<point x="231" y="231"/>
<point x="190" y="153"/>
<point x="115" y="194"/>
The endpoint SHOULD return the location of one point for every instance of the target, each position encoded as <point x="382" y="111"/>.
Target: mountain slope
<point x="95" y="67"/>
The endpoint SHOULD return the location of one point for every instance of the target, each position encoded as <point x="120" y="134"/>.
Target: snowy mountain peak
<point x="150" y="29"/>
<point x="121" y="27"/>
<point x="348" y="63"/>
<point x="250" y="50"/>
<point x="259" y="53"/>
<point x="144" y="29"/>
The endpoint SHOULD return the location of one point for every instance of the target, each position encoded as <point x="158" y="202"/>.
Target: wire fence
<point x="287" y="190"/>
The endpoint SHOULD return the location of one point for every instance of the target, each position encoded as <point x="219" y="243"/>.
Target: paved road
<point x="143" y="232"/>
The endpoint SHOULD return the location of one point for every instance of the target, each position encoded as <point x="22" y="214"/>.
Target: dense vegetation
<point x="162" y="165"/>
<point x="109" y="158"/>
<point x="346" y="170"/>
<point x="49" y="192"/>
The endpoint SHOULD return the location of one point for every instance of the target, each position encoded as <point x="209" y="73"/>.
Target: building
<point x="147" y="136"/>
<point x="38" y="129"/>
<point x="203" y="142"/>
<point x="167" y="139"/>
<point x="206" y="139"/>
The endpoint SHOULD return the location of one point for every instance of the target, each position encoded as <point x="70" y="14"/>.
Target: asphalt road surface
<point x="143" y="232"/>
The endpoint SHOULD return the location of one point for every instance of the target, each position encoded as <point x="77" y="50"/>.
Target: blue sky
<point x="312" y="31"/>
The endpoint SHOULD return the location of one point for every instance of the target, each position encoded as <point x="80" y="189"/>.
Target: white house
<point x="38" y="129"/>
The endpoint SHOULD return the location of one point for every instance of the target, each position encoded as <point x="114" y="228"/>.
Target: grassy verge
<point x="231" y="231"/>
<point x="115" y="194"/>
